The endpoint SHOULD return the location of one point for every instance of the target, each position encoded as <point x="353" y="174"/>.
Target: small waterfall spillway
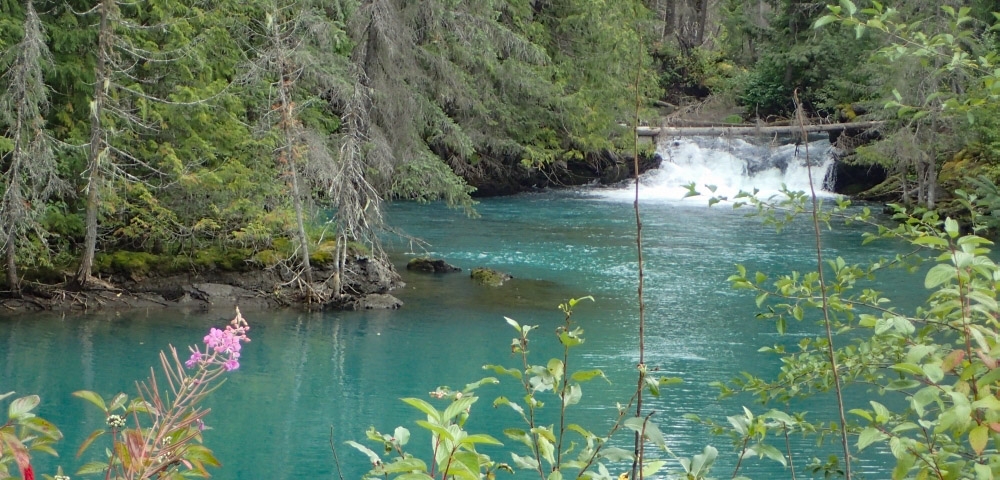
<point x="731" y="165"/>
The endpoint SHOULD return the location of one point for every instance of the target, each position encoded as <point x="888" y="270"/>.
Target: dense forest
<point x="185" y="135"/>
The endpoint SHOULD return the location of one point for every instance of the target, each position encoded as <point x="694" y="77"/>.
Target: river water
<point x="305" y="374"/>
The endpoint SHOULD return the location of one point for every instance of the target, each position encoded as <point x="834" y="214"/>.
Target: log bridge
<point x="744" y="130"/>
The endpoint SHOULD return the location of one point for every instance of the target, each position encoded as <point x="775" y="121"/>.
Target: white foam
<point x="730" y="166"/>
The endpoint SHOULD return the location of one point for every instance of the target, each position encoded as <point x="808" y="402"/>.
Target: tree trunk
<point x="289" y="124"/>
<point x="931" y="184"/>
<point x="97" y="147"/>
<point x="13" y="174"/>
<point x="300" y="220"/>
<point x="702" y="21"/>
<point x="15" y="287"/>
<point x="669" y="19"/>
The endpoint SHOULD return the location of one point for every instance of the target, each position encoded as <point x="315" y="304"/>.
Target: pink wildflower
<point x="222" y="346"/>
<point x="195" y="358"/>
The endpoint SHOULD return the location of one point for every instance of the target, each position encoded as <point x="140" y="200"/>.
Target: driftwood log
<point x="750" y="130"/>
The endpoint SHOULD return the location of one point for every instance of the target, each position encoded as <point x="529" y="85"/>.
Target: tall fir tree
<point x="29" y="166"/>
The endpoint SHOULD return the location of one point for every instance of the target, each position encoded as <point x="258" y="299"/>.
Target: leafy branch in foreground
<point x="23" y="433"/>
<point x="936" y="363"/>
<point x="165" y="438"/>
<point x="554" y="451"/>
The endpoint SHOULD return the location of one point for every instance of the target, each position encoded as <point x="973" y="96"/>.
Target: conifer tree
<point x="297" y="60"/>
<point x="135" y="69"/>
<point x="29" y="166"/>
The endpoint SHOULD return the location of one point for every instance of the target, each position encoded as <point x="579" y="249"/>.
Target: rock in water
<point x="431" y="265"/>
<point x="489" y="277"/>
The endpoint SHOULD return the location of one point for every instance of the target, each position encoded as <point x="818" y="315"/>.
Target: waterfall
<point x="730" y="165"/>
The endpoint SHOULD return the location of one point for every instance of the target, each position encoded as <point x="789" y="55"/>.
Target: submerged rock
<point x="431" y="265"/>
<point x="489" y="277"/>
<point x="378" y="301"/>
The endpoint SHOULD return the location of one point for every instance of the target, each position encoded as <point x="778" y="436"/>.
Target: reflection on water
<point x="307" y="373"/>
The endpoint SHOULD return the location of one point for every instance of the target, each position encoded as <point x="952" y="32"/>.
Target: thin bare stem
<point x="788" y="449"/>
<point x="638" y="243"/>
<point x="831" y="351"/>
<point x="336" y="459"/>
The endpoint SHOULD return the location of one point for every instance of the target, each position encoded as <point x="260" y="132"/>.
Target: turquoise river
<point x="306" y="375"/>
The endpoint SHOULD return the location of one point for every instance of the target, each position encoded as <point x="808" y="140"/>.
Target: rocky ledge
<point x="363" y="287"/>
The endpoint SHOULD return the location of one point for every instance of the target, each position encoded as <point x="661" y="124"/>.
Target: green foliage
<point x="556" y="451"/>
<point x="938" y="361"/>
<point x="24" y="433"/>
<point x="699" y="72"/>
<point x="940" y="79"/>
<point x="782" y="53"/>
<point x="433" y="94"/>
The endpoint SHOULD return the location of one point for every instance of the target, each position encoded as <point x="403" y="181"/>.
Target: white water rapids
<point x="730" y="166"/>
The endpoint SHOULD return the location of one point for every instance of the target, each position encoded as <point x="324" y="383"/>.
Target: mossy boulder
<point x="489" y="277"/>
<point x="431" y="265"/>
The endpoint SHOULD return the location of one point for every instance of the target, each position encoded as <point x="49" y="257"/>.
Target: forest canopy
<point x="179" y="135"/>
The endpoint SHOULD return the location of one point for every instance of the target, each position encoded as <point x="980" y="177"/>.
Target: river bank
<point x="264" y="288"/>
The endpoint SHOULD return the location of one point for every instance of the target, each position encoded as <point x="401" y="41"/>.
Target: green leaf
<point x="480" y="438"/>
<point x="87" y="441"/>
<point x="22" y="407"/>
<point x="43" y="427"/>
<point x="414" y="476"/>
<point x="458" y="406"/>
<point x="938" y="275"/>
<point x="401" y="435"/>
<point x="92" y="398"/>
<point x="526" y="463"/>
<point x="118" y="402"/>
<point x="501" y="370"/>
<point x="930" y="240"/>
<point x="438" y="429"/>
<point x="651" y="431"/>
<point x="760" y="299"/>
<point x="978" y="438"/>
<point x="908" y="368"/>
<point x="513" y="323"/>
<point x="862" y="413"/>
<point x="702" y="462"/>
<point x="201" y="454"/>
<point x="586" y="375"/>
<point x="504" y="401"/>
<point x="772" y="453"/>
<point x="405" y="465"/>
<point x="824" y="20"/>
<point x="650" y="469"/>
<point x="91" y="468"/>
<point x="425" y="407"/>
<point x="849" y="6"/>
<point x="372" y="456"/>
<point x="951" y="227"/>
<point x="869" y="436"/>
<point x="573" y="395"/>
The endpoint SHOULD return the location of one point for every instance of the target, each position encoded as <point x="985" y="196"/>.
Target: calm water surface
<point x="304" y="373"/>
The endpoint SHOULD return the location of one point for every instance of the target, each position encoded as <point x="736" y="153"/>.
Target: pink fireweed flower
<point x="195" y="358"/>
<point x="231" y="364"/>
<point x="222" y="347"/>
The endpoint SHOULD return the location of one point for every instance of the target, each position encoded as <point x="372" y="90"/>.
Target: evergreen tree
<point x="297" y="59"/>
<point x="29" y="164"/>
